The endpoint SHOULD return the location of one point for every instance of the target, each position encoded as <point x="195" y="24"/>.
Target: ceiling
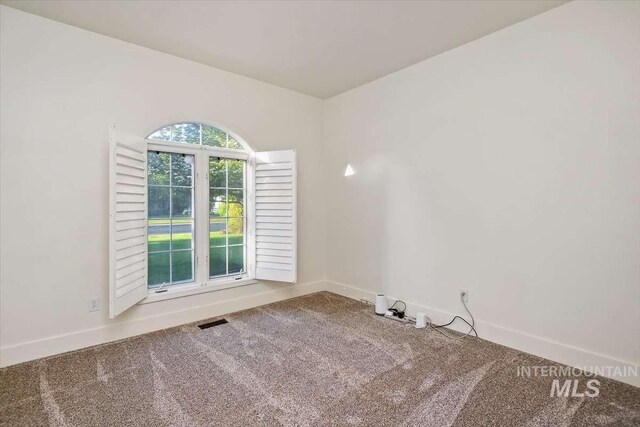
<point x="320" y="48"/>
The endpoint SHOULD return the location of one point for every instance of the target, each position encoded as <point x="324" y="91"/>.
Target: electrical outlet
<point x="464" y="295"/>
<point x="94" y="304"/>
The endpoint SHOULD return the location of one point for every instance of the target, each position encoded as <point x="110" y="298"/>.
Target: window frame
<point x="202" y="282"/>
<point x="194" y="237"/>
<point x="247" y="148"/>
<point x="244" y="218"/>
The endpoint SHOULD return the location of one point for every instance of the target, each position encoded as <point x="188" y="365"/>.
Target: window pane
<point x="192" y="133"/>
<point x="235" y="230"/>
<point x="226" y="222"/>
<point x="196" y="133"/>
<point x="213" y="137"/>
<point x="186" y="132"/>
<point x="159" y="269"/>
<point x="217" y="202"/>
<point x="181" y="234"/>
<point x="159" y="222"/>
<point x="217" y="232"/>
<point x="217" y="173"/>
<point x="170" y="222"/>
<point x="158" y="235"/>
<point x="236" y="203"/>
<point x="181" y="170"/>
<point x="158" y="168"/>
<point x="181" y="202"/>
<point x="234" y="144"/>
<point x="182" y="266"/>
<point x="163" y="134"/>
<point x="158" y="206"/>
<point x="217" y="261"/>
<point x="236" y="173"/>
<point x="236" y="259"/>
<point x="177" y="134"/>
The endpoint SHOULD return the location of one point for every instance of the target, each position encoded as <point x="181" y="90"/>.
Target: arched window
<point x="195" y="209"/>
<point x="177" y="209"/>
<point x="196" y="133"/>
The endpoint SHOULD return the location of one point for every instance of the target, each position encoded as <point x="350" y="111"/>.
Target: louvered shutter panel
<point x="127" y="220"/>
<point x="275" y="216"/>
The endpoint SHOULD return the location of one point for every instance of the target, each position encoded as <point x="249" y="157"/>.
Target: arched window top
<point x="196" y="133"/>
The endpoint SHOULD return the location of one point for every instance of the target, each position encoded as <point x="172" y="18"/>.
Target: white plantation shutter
<point x="275" y="216"/>
<point x="127" y="220"/>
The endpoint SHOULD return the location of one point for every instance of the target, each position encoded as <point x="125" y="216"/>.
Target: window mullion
<point x="170" y="219"/>
<point x="226" y="240"/>
<point x="201" y="218"/>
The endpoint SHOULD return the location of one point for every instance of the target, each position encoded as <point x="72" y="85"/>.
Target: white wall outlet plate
<point x="464" y="295"/>
<point x="94" y="304"/>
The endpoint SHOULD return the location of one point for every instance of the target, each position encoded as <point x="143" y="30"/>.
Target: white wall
<point x="61" y="88"/>
<point x="509" y="167"/>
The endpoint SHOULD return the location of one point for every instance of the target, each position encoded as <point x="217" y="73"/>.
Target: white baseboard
<point x="31" y="350"/>
<point x="542" y="347"/>
<point x="538" y="346"/>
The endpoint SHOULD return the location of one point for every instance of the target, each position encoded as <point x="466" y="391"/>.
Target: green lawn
<point x="166" y="221"/>
<point x="182" y="263"/>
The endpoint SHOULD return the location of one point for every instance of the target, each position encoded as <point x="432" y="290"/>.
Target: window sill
<point x="179" y="291"/>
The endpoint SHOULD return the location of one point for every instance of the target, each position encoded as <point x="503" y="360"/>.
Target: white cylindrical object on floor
<point x="381" y="304"/>
<point x="421" y="320"/>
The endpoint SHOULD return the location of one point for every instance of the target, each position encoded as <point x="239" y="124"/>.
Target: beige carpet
<point x="316" y="360"/>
